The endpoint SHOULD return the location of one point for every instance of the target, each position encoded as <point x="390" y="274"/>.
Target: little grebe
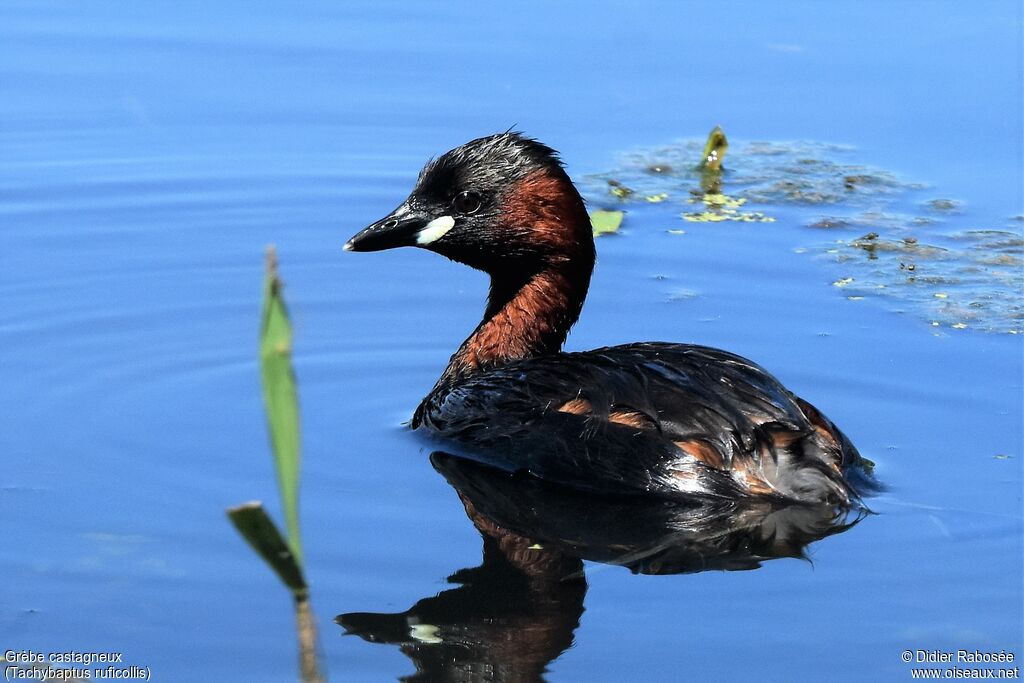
<point x="673" y="420"/>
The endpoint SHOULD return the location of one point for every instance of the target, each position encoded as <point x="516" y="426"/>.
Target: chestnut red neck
<point x="534" y="300"/>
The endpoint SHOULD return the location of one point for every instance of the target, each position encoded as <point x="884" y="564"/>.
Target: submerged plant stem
<point x="305" y="625"/>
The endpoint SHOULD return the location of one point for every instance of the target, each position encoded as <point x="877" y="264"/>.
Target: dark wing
<point x="671" y="419"/>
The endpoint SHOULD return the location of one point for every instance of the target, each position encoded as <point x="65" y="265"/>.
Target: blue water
<point x="149" y="152"/>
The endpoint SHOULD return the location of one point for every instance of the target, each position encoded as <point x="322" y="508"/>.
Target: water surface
<point x="148" y="153"/>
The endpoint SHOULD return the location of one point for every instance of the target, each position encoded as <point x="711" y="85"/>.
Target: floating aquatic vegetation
<point x="887" y="240"/>
<point x="970" y="281"/>
<point x="605" y="222"/>
<point x="617" y="189"/>
<point x="721" y="207"/>
<point x="799" y="173"/>
<point x="870" y="220"/>
<point x="943" y="205"/>
<point x="828" y="223"/>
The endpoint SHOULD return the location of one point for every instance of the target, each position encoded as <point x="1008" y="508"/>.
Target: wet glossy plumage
<point x="510" y="416"/>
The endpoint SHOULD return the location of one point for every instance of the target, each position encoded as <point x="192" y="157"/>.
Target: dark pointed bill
<point x="403" y="227"/>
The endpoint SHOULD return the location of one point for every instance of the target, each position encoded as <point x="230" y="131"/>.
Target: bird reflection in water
<point x="516" y="613"/>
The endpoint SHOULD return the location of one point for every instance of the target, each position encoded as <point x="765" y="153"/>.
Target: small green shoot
<point x="711" y="161"/>
<point x="714" y="150"/>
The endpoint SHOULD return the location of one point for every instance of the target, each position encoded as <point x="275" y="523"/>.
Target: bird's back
<point x="669" y="419"/>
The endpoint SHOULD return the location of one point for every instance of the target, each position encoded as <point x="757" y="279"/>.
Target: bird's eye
<point x="466" y="202"/>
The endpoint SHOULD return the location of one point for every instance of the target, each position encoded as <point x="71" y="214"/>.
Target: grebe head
<point x="501" y="204"/>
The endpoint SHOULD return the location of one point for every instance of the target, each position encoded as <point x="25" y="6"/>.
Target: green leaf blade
<point x="280" y="398"/>
<point x="260" y="532"/>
